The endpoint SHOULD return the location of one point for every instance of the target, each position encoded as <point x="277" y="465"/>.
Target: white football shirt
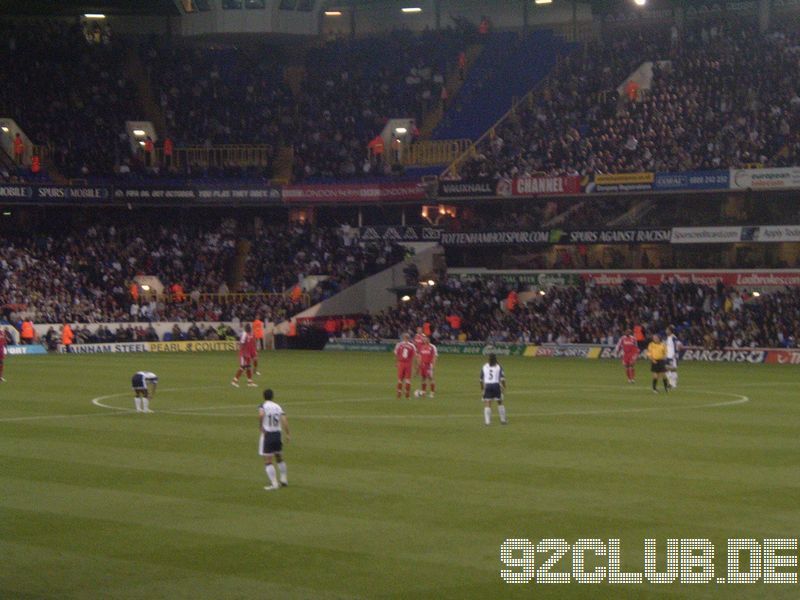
<point x="271" y="421"/>
<point x="671" y="342"/>
<point x="149" y="377"/>
<point x="492" y="374"/>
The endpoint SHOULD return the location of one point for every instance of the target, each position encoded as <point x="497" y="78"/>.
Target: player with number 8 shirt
<point x="404" y="353"/>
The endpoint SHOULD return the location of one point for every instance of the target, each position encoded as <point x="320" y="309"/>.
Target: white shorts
<point x="671" y="364"/>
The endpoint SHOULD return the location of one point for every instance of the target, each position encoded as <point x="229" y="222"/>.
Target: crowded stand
<point x="723" y="95"/>
<point x="66" y="87"/>
<point x="492" y="309"/>
<point x="353" y="86"/>
<point x="85" y="273"/>
<point x="329" y="259"/>
<point x="220" y="95"/>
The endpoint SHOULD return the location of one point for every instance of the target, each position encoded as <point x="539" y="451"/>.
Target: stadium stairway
<point x="375" y="293"/>
<point x="508" y="67"/>
<point x="453" y="85"/>
<point x="283" y="167"/>
<point x="236" y="274"/>
<point x="136" y="70"/>
<point x="634" y="215"/>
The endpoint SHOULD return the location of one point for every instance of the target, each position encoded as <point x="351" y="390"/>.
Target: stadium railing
<point x="240" y="155"/>
<point x="235" y="297"/>
<point x="434" y="152"/>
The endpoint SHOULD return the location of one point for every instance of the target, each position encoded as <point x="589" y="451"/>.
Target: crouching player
<point x="144" y="389"/>
<point x="630" y="352"/>
<point x="427" y="354"/>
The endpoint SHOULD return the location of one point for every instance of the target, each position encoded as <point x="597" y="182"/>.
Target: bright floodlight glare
<point x="401" y="130"/>
<point x="4" y="128"/>
<point x="542" y="292"/>
<point x="756" y="294"/>
<point x="333" y="13"/>
<point x="431" y="282"/>
<point x="139" y="132"/>
<point x="94" y="16"/>
<point x="411" y="9"/>
<point x="141" y="142"/>
<point x="543" y="1"/>
<point x="145" y="287"/>
<point x="640" y="2"/>
<point x="406" y="298"/>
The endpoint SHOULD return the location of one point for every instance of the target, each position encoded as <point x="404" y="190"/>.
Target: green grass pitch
<point x="387" y="499"/>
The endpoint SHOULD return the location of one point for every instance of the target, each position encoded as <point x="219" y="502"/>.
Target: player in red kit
<point x="252" y="348"/>
<point x="419" y="339"/>
<point x="246" y="343"/>
<point x="2" y="353"/>
<point x="427" y="355"/>
<point x="404" y="352"/>
<point x="630" y="351"/>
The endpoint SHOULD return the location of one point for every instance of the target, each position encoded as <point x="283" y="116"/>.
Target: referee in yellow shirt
<point x="657" y="352"/>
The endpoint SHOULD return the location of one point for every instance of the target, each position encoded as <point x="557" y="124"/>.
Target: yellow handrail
<point x="433" y="152"/>
<point x="239" y="155"/>
<point x="231" y="297"/>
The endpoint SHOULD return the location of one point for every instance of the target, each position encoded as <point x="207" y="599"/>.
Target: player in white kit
<point x="672" y="358"/>
<point x="273" y="425"/>
<point x="144" y="388"/>
<point x="493" y="384"/>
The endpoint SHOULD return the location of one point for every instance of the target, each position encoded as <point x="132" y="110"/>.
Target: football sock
<point x="399" y="389"/>
<point x="249" y="375"/>
<point x="673" y="379"/>
<point x="138" y="402"/>
<point x="666" y="384"/>
<point x="424" y="386"/>
<point x="408" y="390"/>
<point x="501" y="409"/>
<point x="282" y="469"/>
<point x="487" y="414"/>
<point x="273" y="478"/>
<point x="145" y="404"/>
<point x="433" y="387"/>
<point x="655" y="381"/>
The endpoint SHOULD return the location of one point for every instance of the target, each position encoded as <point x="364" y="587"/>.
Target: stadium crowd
<point x="495" y="311"/>
<point x="723" y="95"/>
<point x="68" y="91"/>
<point x="353" y="86"/>
<point x="86" y="274"/>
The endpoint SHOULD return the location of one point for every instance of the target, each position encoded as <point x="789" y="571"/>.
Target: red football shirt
<point x="404" y="352"/>
<point x="427" y="354"/>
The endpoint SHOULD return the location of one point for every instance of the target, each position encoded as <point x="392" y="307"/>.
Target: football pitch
<point x="387" y="498"/>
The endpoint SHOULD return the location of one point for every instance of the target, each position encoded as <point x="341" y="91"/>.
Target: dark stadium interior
<point x="558" y="183"/>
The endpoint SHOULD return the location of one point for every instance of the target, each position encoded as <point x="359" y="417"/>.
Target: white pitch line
<point x="740" y="399"/>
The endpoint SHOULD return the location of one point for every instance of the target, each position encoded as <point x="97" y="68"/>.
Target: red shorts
<point x="403" y="371"/>
<point x="244" y="361"/>
<point x="629" y="361"/>
<point x="426" y="371"/>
